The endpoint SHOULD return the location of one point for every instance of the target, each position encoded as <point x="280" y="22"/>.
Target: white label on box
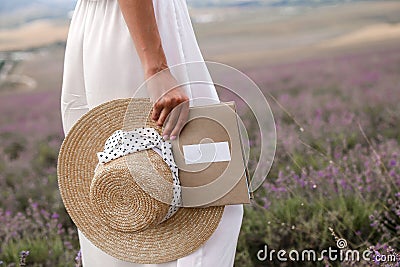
<point x="204" y="153"/>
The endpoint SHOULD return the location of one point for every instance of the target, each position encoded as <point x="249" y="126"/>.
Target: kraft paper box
<point x="210" y="158"/>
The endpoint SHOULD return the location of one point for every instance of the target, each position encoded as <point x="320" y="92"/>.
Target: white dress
<point x="101" y="64"/>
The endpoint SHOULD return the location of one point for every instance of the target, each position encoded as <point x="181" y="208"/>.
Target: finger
<point x="181" y="121"/>
<point x="156" y="111"/>
<point x="163" y="115"/>
<point x="161" y="103"/>
<point x="171" y="120"/>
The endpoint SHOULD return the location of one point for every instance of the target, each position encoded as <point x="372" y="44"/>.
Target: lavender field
<point x="337" y="166"/>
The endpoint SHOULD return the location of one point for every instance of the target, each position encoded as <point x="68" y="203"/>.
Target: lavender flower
<point x="78" y="259"/>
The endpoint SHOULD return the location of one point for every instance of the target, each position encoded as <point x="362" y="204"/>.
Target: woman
<point x="113" y="46"/>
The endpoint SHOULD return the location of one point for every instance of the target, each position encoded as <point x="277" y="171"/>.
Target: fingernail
<point x="165" y="137"/>
<point x="173" y="137"/>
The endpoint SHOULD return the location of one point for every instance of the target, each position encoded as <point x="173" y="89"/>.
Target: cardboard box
<point x="210" y="158"/>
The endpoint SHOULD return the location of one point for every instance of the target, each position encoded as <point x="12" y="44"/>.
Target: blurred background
<point x="331" y="73"/>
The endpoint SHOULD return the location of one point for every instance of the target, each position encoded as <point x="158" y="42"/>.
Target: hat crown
<point x="119" y="201"/>
<point x="124" y="192"/>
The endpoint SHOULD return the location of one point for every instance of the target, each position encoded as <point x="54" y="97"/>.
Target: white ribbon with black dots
<point x="121" y="143"/>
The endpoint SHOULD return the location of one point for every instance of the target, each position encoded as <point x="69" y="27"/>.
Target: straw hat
<point x="116" y="205"/>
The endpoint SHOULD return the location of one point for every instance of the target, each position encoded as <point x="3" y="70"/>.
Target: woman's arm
<point x="140" y="19"/>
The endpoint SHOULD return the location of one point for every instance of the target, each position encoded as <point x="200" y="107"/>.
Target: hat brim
<point x="177" y="237"/>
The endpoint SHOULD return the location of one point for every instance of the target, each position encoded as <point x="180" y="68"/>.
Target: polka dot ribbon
<point x="121" y="143"/>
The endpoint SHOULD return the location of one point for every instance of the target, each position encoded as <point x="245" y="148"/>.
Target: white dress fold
<point x="101" y="64"/>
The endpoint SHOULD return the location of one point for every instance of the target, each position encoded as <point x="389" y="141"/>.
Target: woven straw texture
<point x="123" y="220"/>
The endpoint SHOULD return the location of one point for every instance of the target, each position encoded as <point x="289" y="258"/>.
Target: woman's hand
<point x="171" y="104"/>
